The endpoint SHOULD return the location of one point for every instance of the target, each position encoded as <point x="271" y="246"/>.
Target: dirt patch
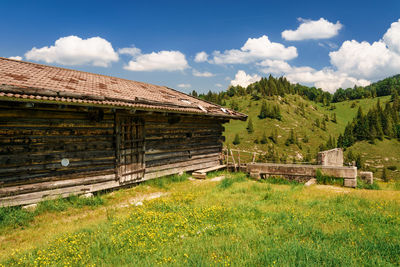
<point x="216" y="179"/>
<point x="137" y="199"/>
<point x="333" y="188"/>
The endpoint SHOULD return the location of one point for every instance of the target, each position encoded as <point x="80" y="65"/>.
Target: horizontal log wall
<point x="181" y="143"/>
<point x="34" y="140"/>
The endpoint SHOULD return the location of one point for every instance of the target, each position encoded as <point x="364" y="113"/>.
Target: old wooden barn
<point x="66" y="132"/>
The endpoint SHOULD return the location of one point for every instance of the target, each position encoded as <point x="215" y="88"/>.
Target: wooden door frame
<point x="118" y="115"/>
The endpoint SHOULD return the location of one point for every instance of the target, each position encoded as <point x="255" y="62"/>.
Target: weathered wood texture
<point x="181" y="142"/>
<point x="34" y="140"/>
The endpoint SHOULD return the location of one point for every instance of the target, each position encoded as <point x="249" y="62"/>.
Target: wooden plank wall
<point x="181" y="143"/>
<point x="34" y="140"/>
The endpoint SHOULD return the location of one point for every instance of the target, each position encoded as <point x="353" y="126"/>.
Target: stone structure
<point x="302" y="173"/>
<point x="368" y="177"/>
<point x="333" y="157"/>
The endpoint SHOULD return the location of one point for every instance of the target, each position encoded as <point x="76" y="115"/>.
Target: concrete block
<point x="368" y="177"/>
<point x="350" y="183"/>
<point x="311" y="182"/>
<point x="333" y="157"/>
<point x="30" y="207"/>
<point x="255" y="175"/>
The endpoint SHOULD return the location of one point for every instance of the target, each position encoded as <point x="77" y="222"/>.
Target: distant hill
<point x="381" y="88"/>
<point x="298" y="121"/>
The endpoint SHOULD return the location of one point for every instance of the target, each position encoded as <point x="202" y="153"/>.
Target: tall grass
<point x="15" y="217"/>
<point x="164" y="182"/>
<point x="230" y="179"/>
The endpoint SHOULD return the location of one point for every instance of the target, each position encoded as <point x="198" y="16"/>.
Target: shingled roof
<point x="20" y="80"/>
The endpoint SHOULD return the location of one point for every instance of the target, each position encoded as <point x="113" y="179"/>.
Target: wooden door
<point x="130" y="148"/>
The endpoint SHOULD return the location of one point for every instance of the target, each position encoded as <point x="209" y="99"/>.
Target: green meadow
<point x="231" y="221"/>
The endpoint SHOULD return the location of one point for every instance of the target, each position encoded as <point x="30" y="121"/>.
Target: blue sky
<point x="327" y="44"/>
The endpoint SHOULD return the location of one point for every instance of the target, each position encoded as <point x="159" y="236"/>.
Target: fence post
<point x="239" y="159"/>
<point x="233" y="160"/>
<point x="254" y="157"/>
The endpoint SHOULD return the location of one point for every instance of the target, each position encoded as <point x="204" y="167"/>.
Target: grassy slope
<point x="235" y="222"/>
<point x="374" y="154"/>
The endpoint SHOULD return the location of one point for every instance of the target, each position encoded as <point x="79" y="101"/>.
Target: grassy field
<point x="302" y="124"/>
<point x="230" y="222"/>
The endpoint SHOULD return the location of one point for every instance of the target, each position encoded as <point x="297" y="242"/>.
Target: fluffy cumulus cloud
<point x="392" y="37"/>
<point x="370" y="61"/>
<point x="255" y="49"/>
<point x="16" y="58"/>
<point x="73" y="50"/>
<point x="243" y="79"/>
<point x="353" y="63"/>
<point x="158" y="61"/>
<point x="327" y="78"/>
<point x="202" y="74"/>
<point x="201" y="57"/>
<point x="184" y="85"/>
<point x="313" y="29"/>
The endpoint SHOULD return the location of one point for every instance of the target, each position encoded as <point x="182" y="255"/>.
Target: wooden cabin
<point x="66" y="132"/>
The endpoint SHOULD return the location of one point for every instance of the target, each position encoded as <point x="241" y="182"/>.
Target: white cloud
<point x="243" y="79"/>
<point x="374" y="61"/>
<point x="365" y="60"/>
<point x="255" y="49"/>
<point x="202" y="74"/>
<point x="184" y="85"/>
<point x="73" y="50"/>
<point x="162" y="61"/>
<point x="132" y="51"/>
<point x="327" y="78"/>
<point x="219" y="85"/>
<point x="392" y="37"/>
<point x="201" y="57"/>
<point x="313" y="29"/>
<point x="16" y="58"/>
<point x="354" y="63"/>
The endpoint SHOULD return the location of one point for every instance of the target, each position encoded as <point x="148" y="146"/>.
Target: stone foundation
<point x="303" y="173"/>
<point x="368" y="177"/>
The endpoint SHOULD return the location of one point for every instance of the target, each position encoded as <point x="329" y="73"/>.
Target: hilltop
<point x="309" y="120"/>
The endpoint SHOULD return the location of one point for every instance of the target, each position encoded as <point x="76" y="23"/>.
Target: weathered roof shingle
<point x="26" y="80"/>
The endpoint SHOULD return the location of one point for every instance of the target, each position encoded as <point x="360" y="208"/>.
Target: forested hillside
<point x="291" y="123"/>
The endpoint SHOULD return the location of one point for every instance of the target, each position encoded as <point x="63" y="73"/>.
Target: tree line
<point x="272" y="86"/>
<point x="377" y="123"/>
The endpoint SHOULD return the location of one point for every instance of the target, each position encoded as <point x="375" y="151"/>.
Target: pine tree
<point x="264" y="139"/>
<point x="384" y="175"/>
<point x="264" y="110"/>
<point x="350" y="157"/>
<point x="236" y="141"/>
<point x="317" y="123"/>
<point x="274" y="136"/>
<point x="250" y="128"/>
<point x="323" y="125"/>
<point x="291" y="139"/>
<point x="307" y="158"/>
<point x="334" y="118"/>
<point x="359" y="162"/>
